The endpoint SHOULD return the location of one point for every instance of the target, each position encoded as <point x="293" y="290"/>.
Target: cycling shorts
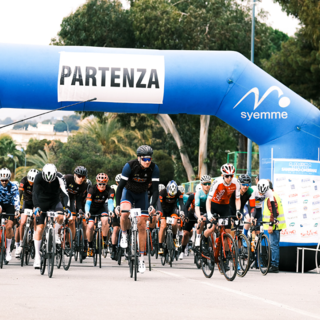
<point x="258" y="216"/>
<point x="27" y="205"/>
<point x="189" y="225"/>
<point x="139" y="199"/>
<point x="223" y="210"/>
<point x="103" y="211"/>
<point x="57" y="207"/>
<point x="8" y="209"/>
<point x="115" y="221"/>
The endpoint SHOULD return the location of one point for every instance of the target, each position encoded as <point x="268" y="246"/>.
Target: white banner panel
<point x="297" y="182"/>
<point x="122" y="78"/>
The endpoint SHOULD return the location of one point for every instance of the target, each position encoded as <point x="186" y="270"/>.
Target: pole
<point x="249" y="147"/>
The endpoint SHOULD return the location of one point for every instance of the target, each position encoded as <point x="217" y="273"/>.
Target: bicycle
<point x="243" y="245"/>
<point x="260" y="249"/>
<point x="79" y="247"/>
<point x="3" y="238"/>
<point x="66" y="244"/>
<point x="155" y="241"/>
<point x="227" y="260"/>
<point x="28" y="249"/>
<point x="97" y="245"/>
<point x="168" y="244"/>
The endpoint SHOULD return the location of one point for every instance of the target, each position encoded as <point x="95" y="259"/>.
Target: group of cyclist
<point x="73" y="195"/>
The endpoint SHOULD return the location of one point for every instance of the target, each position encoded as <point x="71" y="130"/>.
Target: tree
<point x="24" y="125"/>
<point x="43" y="157"/>
<point x="34" y="145"/>
<point x="165" y="164"/>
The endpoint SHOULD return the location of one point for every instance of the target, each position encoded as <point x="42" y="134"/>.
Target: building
<point x="42" y="131"/>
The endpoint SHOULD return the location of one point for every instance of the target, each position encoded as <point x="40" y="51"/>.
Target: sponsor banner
<point x="297" y="184"/>
<point x="121" y="78"/>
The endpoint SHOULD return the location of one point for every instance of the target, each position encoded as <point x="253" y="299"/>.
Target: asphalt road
<point x="181" y="292"/>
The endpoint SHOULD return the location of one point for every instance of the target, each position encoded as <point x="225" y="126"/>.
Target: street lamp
<point x="22" y="150"/>
<point x="11" y="156"/>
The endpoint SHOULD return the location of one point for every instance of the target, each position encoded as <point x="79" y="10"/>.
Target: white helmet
<point x="205" y="178"/>
<point x="118" y="177"/>
<point x="227" y="169"/>
<point x="263" y="186"/>
<point x="114" y="187"/>
<point x="5" y="174"/>
<point x="182" y="189"/>
<point x="32" y="174"/>
<point x="161" y="187"/>
<point x="198" y="187"/>
<point x="49" y="172"/>
<point x="172" y="188"/>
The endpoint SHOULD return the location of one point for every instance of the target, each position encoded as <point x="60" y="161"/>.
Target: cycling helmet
<point x="81" y="171"/>
<point x="244" y="178"/>
<point x="49" y="172"/>
<point x="89" y="183"/>
<point x="181" y="189"/>
<point x="32" y="174"/>
<point x="205" y="178"/>
<point x="144" y="151"/>
<point x="161" y="187"/>
<point x="227" y="169"/>
<point x="172" y="188"/>
<point x="114" y="187"/>
<point x="118" y="177"/>
<point x="198" y="187"/>
<point x="263" y="186"/>
<point x="102" y="178"/>
<point x="5" y="174"/>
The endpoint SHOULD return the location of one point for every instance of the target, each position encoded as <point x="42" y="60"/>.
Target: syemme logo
<point x="283" y="103"/>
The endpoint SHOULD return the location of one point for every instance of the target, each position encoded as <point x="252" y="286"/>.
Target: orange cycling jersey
<point x="221" y="193"/>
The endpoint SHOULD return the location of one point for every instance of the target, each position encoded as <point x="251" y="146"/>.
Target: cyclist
<point x="219" y="198"/>
<point x="99" y="202"/>
<point x="115" y="221"/>
<point x="47" y="187"/>
<point x="25" y="192"/>
<point x="133" y="188"/>
<point x="168" y="199"/>
<point x="77" y="190"/>
<point x="9" y="203"/>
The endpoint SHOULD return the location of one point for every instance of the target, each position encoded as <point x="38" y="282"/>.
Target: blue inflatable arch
<point x="220" y="83"/>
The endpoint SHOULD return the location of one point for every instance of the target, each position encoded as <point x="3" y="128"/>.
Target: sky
<point x="37" y="21"/>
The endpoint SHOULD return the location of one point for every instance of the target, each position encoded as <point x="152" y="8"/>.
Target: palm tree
<point x="39" y="160"/>
<point x="110" y="135"/>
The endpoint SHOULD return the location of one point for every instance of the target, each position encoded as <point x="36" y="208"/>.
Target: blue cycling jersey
<point x="10" y="195"/>
<point x="201" y="199"/>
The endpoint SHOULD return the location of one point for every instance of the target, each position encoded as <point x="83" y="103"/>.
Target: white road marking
<point x="247" y="295"/>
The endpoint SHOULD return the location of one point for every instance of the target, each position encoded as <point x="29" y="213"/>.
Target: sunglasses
<point x="245" y="184"/>
<point x="206" y="184"/>
<point x="101" y="184"/>
<point x="80" y="177"/>
<point x="229" y="176"/>
<point x="5" y="181"/>
<point x="146" y="159"/>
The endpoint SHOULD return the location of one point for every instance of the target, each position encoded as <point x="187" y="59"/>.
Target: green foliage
<point x="165" y="164"/>
<point x="72" y="121"/>
<point x="24" y="125"/>
<point x="34" y="145"/>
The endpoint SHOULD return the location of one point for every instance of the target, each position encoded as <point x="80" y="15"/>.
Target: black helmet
<point x="244" y="178"/>
<point x="144" y="151"/>
<point x="81" y="171"/>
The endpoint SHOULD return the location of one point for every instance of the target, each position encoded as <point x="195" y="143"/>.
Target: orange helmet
<point x="102" y="178"/>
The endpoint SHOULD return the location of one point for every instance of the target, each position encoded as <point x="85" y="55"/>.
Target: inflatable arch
<point x="220" y="83"/>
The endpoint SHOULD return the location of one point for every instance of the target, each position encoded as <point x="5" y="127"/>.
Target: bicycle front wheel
<point x="149" y="248"/>
<point x="80" y="245"/>
<point x="24" y="246"/>
<point x="50" y="252"/>
<point x="207" y="264"/>
<point x="99" y="242"/>
<point x="43" y="252"/>
<point x="264" y="254"/>
<point x="2" y="247"/>
<point x="243" y="255"/>
<point x="67" y="248"/>
<point x="228" y="254"/>
<point x="135" y="255"/>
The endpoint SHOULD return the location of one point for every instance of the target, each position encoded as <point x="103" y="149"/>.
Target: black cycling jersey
<point x="168" y="203"/>
<point x="77" y="192"/>
<point x="26" y="189"/>
<point x="244" y="199"/>
<point x="98" y="198"/>
<point x="46" y="194"/>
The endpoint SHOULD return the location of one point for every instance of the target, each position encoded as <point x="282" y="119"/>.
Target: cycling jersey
<point x="169" y="203"/>
<point x="244" y="198"/>
<point x="201" y="200"/>
<point x="77" y="192"/>
<point x="47" y="195"/>
<point x="259" y="199"/>
<point x="10" y="195"/>
<point x="221" y="193"/>
<point x="26" y="189"/>
<point x="97" y="199"/>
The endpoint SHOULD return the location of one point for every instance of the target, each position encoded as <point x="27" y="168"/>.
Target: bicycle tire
<point x="28" y="254"/>
<point x="80" y="245"/>
<point x="94" y="248"/>
<point x="99" y="247"/>
<point x="43" y="259"/>
<point x="264" y="255"/>
<point x="243" y="255"/>
<point x="24" y="245"/>
<point x="149" y="248"/>
<point x="197" y="260"/>
<point x="119" y="255"/>
<point x="51" y="256"/>
<point x="58" y="256"/>
<point x="231" y="258"/>
<point x="33" y="250"/>
<point x="156" y="244"/>
<point x="207" y="265"/>
<point x="66" y="253"/>
<point x="2" y="247"/>
<point x="135" y="256"/>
